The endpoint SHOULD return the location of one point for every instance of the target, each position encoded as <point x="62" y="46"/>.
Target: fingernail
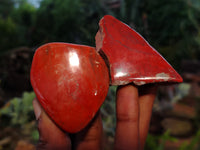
<point x="37" y="109"/>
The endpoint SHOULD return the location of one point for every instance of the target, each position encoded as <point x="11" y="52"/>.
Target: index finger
<point x="127" y="129"/>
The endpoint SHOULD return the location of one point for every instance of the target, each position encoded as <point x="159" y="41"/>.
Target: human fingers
<point x="90" y="138"/>
<point x="127" y="128"/>
<point x="51" y="137"/>
<point x="147" y="95"/>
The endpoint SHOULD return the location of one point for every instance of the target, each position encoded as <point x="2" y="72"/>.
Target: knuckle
<point x="127" y="118"/>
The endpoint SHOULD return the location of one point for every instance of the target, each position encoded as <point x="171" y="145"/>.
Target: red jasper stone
<point x="71" y="82"/>
<point x="131" y="58"/>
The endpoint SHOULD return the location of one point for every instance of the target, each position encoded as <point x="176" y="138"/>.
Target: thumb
<point x="51" y="136"/>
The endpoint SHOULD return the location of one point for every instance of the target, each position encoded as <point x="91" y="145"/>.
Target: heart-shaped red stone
<point x="71" y="82"/>
<point x="130" y="58"/>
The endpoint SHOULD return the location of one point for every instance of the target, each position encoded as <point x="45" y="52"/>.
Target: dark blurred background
<point x="171" y="26"/>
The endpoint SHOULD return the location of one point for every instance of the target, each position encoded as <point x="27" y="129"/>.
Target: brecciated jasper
<point x="71" y="82"/>
<point x="130" y="58"/>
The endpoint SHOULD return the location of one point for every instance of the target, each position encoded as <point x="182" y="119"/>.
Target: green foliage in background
<point x="158" y="142"/>
<point x="24" y="17"/>
<point x="18" y="114"/>
<point x="59" y="21"/>
<point x="6" y="7"/>
<point x="8" y="32"/>
<point x="193" y="145"/>
<point x="19" y="111"/>
<point x="154" y="142"/>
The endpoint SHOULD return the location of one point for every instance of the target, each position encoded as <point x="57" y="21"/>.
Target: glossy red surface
<point x="70" y="82"/>
<point x="130" y="57"/>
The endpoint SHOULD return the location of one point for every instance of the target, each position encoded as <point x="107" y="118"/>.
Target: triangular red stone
<point x="130" y="57"/>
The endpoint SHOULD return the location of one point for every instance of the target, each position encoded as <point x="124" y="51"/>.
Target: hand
<point x="134" y="109"/>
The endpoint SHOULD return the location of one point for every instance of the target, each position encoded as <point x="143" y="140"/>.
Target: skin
<point x="134" y="109"/>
